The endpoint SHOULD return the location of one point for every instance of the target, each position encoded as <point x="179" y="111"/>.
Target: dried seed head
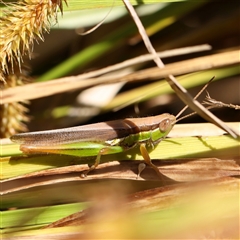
<point x="13" y="115"/>
<point x="20" y="25"/>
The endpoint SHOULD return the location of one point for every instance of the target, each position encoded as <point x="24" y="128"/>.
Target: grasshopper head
<point x="167" y="123"/>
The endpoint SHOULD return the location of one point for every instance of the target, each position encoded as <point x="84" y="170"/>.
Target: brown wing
<point x="97" y="132"/>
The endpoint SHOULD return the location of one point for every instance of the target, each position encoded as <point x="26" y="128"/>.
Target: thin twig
<point x="218" y="104"/>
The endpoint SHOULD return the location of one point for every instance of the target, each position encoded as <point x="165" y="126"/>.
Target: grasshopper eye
<point x="165" y="125"/>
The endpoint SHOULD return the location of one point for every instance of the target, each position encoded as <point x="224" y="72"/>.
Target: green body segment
<point x="78" y="149"/>
<point x="151" y="137"/>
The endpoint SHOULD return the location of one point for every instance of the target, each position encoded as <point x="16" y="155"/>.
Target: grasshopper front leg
<point x="148" y="160"/>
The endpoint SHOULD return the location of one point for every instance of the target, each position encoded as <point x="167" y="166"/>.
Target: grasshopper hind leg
<point x="97" y="161"/>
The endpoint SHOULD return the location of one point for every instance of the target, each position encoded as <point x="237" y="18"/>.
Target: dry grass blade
<point x="37" y="90"/>
<point x="174" y="170"/>
<point x="180" y="91"/>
